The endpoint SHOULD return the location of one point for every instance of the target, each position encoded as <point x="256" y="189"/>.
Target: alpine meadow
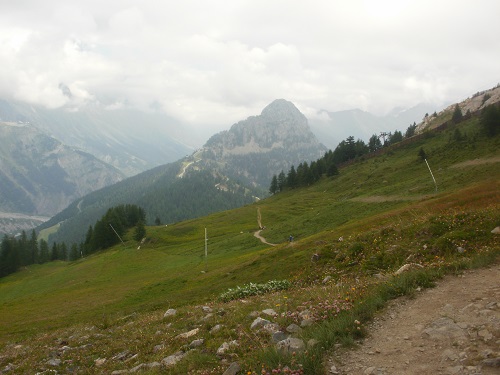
<point x="322" y="256"/>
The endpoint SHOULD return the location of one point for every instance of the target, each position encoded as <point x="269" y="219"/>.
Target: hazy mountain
<point x="259" y="147"/>
<point x="131" y="140"/>
<point x="39" y="176"/>
<point x="232" y="168"/>
<point x="333" y="127"/>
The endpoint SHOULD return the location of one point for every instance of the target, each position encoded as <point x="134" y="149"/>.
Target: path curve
<point x="262" y="239"/>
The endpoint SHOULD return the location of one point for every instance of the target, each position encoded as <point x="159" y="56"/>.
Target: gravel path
<point x="453" y="328"/>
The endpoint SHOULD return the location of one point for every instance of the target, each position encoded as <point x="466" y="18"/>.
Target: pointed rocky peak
<point x="282" y="110"/>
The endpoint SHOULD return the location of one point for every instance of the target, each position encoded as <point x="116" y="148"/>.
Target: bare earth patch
<point x="453" y="328"/>
<point x="387" y="198"/>
<point x="471" y="163"/>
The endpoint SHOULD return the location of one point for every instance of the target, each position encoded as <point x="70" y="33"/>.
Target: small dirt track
<point x="262" y="239"/>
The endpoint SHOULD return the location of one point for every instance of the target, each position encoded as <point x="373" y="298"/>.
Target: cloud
<point x="213" y="63"/>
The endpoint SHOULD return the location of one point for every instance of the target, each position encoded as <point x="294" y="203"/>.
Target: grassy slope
<point x="167" y="272"/>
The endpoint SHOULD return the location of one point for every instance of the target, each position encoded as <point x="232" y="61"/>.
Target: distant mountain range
<point x="232" y="169"/>
<point x="40" y="176"/>
<point x="130" y="140"/>
<point x="333" y="127"/>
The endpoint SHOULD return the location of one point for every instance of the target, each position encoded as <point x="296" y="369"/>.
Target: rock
<point x="226" y="346"/>
<point x="496" y="230"/>
<point x="186" y="335"/>
<point x="291" y="345"/>
<point x="407" y="267"/>
<point x="100" y="361"/>
<point x="460" y="250"/>
<point x="374" y="371"/>
<point x="278" y="336"/>
<point x="216" y="328"/>
<point x="196" y="343"/>
<point x="271" y="328"/>
<point x="293" y="328"/>
<point x="259" y="323"/>
<point x="491" y="362"/>
<point x="485" y="334"/>
<point x="270" y="312"/>
<point x="444" y="328"/>
<point x="169" y="313"/>
<point x="137" y="368"/>
<point x="326" y="279"/>
<point x="306" y="323"/>
<point x="206" y="309"/>
<point x="171" y="360"/>
<point x="233" y="369"/>
<point x="119" y="372"/>
<point x="158" y="347"/>
<point x="54" y="362"/>
<point x="333" y="370"/>
<point x="449" y="355"/>
<point x="253" y="314"/>
<point x="121" y="356"/>
<point x="207" y="317"/>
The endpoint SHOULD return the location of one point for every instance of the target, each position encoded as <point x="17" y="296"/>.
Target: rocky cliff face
<point x="40" y="176"/>
<point x="260" y="146"/>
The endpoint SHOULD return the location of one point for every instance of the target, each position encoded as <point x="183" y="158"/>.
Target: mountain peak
<point x="281" y="109"/>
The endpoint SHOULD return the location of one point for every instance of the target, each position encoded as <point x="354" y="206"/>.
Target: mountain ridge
<point x="40" y="176"/>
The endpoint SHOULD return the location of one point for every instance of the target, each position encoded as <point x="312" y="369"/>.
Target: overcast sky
<point x="212" y="63"/>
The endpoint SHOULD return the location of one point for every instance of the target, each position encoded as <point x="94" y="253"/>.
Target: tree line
<point x="349" y="149"/>
<point x="23" y="250"/>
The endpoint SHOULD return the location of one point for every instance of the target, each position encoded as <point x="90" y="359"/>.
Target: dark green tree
<point x="73" y="253"/>
<point x="395" y="137"/>
<point x="291" y="178"/>
<point x="281" y="181"/>
<point x="44" y="251"/>
<point x="490" y="120"/>
<point x="33" y="247"/>
<point x="140" y="231"/>
<point x="410" y="131"/>
<point x="421" y="153"/>
<point x="273" y="189"/>
<point x="457" y="116"/>
<point x="374" y="143"/>
<point x="157" y="221"/>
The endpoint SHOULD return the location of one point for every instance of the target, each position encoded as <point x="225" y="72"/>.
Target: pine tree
<point x="140" y="231"/>
<point x="274" y="185"/>
<point x="457" y="114"/>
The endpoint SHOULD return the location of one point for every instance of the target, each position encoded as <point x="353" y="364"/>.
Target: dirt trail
<point x="262" y="239"/>
<point x="453" y="328"/>
<point x="257" y="234"/>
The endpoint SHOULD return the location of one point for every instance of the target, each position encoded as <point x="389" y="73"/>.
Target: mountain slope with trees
<point x="232" y="169"/>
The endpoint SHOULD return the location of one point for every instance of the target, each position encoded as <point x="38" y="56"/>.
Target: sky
<point x="210" y="63"/>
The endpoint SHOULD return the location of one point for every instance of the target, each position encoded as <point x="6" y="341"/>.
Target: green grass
<point x="385" y="209"/>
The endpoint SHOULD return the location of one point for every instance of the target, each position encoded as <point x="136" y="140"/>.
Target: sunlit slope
<point x="171" y="270"/>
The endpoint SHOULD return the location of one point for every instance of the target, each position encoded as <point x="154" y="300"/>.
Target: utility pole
<point x="433" y="179"/>
<point x="206" y="249"/>
<point x="117" y="234"/>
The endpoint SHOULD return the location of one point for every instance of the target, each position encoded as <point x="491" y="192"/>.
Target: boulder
<point x="291" y="345"/>
<point x="233" y="369"/>
<point x="259" y="323"/>
<point x="171" y="360"/>
<point x="169" y="313"/>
